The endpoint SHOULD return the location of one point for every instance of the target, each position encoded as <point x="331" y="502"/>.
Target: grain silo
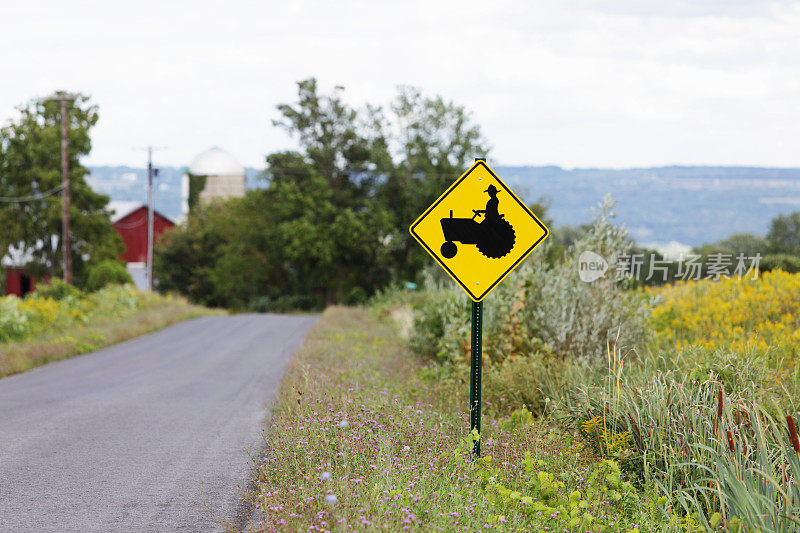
<point x="221" y="175"/>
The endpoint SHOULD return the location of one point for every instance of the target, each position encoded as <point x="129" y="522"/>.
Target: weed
<point x="404" y="460"/>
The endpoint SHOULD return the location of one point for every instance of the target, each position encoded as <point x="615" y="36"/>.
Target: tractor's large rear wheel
<point x="497" y="238"/>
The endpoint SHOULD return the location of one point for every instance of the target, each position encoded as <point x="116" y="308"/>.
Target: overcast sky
<point x="565" y="82"/>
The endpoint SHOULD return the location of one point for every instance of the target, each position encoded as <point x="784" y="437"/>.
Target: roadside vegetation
<point x="608" y="407"/>
<point x="366" y="435"/>
<point x="59" y="321"/>
<point x="692" y="388"/>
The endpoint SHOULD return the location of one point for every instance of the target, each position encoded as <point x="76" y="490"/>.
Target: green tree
<point x="745" y="243"/>
<point x="334" y="139"/>
<point x="332" y="223"/>
<point x="404" y="158"/>
<point x="436" y="137"/>
<point x="287" y="240"/>
<point x="786" y="262"/>
<point x="434" y="141"/>
<point x="196" y="186"/>
<point x="30" y="165"/>
<point x="185" y="256"/>
<point x="784" y="234"/>
<point x="107" y="273"/>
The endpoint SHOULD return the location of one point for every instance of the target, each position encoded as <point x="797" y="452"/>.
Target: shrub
<point x="786" y="262"/>
<point x="395" y="296"/>
<point x="527" y="381"/>
<point x="284" y="304"/>
<point x="46" y="313"/>
<point x="57" y="290"/>
<point x="115" y="300"/>
<point x="356" y="296"/>
<point x="543" y="307"/>
<point x="441" y="329"/>
<point x="579" y="319"/>
<point x="106" y="273"/>
<point x="15" y="321"/>
<point x="39" y="313"/>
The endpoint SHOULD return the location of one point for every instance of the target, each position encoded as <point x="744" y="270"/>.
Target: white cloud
<point x="570" y="82"/>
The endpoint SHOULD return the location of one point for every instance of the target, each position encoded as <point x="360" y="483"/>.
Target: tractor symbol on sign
<point x="494" y="236"/>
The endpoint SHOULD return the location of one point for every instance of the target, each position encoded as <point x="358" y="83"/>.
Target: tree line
<point x="331" y="224"/>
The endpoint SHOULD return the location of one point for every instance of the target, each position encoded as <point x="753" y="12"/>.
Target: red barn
<point x="130" y="221"/>
<point x="18" y="282"/>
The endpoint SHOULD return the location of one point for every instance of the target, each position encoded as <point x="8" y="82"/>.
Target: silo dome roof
<point x="215" y="162"/>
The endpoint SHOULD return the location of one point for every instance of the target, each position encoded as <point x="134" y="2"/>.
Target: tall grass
<point x="52" y="309"/>
<point x="48" y="327"/>
<point x="751" y="481"/>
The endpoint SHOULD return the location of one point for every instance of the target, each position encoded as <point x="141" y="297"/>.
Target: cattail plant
<point x="754" y="492"/>
<point x="793" y="433"/>
<point x="718" y="420"/>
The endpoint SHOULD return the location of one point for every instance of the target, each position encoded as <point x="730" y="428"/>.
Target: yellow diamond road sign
<point x="478" y="230"/>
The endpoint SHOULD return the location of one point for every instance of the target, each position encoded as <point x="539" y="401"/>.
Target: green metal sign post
<point x="476" y="364"/>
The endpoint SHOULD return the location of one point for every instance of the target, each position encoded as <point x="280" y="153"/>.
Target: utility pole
<point x="66" y="246"/>
<point x="65" y="236"/>
<point x="151" y="173"/>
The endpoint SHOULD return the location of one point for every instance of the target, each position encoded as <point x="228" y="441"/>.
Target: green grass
<point x="666" y="414"/>
<point x="62" y="342"/>
<point x="365" y="435"/>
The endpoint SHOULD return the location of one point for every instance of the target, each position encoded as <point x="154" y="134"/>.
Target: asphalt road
<point x="149" y="435"/>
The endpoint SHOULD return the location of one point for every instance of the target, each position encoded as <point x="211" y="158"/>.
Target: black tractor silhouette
<point x="494" y="235"/>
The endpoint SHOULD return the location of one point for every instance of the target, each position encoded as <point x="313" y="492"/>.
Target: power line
<point x="33" y="197"/>
<point x="131" y="225"/>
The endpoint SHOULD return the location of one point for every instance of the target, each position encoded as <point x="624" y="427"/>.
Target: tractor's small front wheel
<point x="449" y="249"/>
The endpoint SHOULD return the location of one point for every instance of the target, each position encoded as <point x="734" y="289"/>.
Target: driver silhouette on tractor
<point x="494" y="236"/>
<point x="491" y="213"/>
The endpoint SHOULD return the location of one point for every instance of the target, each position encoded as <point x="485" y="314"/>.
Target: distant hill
<point x="690" y="205"/>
